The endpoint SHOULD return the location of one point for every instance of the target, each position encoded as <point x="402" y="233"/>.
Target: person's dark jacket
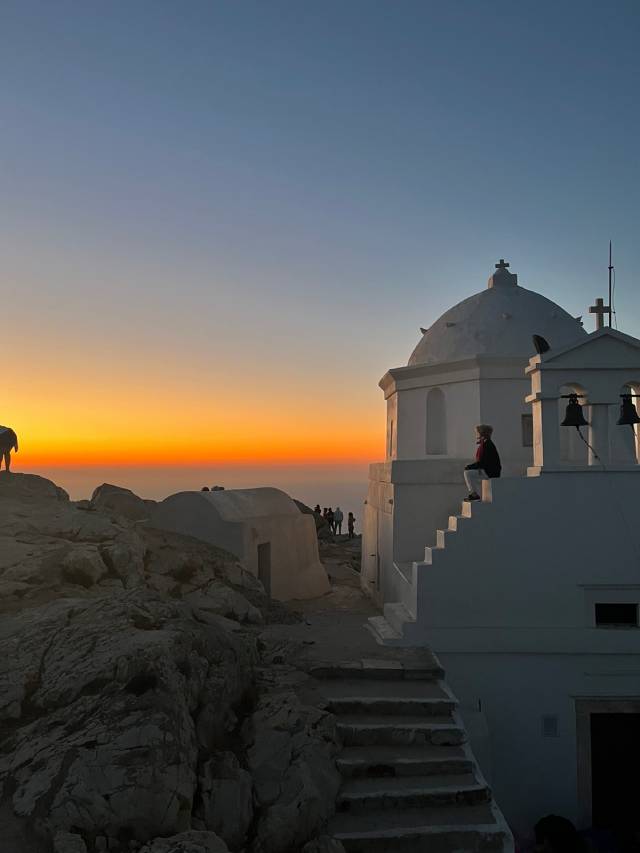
<point x="487" y="460"/>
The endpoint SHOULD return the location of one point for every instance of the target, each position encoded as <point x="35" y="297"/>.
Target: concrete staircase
<point x="395" y="626"/>
<point x="410" y="782"/>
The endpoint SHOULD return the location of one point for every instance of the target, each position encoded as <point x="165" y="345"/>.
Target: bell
<point x="574" y="416"/>
<point x="628" y="413"/>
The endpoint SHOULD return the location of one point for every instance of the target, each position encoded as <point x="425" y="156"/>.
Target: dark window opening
<point x="527" y="430"/>
<point x="617" y="614"/>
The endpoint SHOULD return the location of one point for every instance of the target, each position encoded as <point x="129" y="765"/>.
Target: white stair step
<point x="421" y="668"/>
<point x="430" y="553"/>
<point x="375" y="688"/>
<point x="390" y="761"/>
<point x="365" y="729"/>
<point x="397" y="616"/>
<point x="463" y="829"/>
<point x="411" y="792"/>
<point x="391" y="705"/>
<point x="471" y="508"/>
<point x="382" y="631"/>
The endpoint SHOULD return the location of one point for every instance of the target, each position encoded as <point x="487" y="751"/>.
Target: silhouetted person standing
<point x="338" y="516"/>
<point x="351" y="521"/>
<point x="330" y="520"/>
<point x="8" y="442"/>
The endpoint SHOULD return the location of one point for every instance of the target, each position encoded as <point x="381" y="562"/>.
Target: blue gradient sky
<point x="257" y="204"/>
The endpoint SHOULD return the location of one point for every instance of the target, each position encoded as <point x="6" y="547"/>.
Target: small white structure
<point x="263" y="528"/>
<point x="531" y="597"/>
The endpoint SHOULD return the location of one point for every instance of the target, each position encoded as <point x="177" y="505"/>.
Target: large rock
<point x="107" y="704"/>
<point x="226" y="798"/>
<point x="117" y="501"/>
<point x="68" y="842"/>
<point x="323" y="844"/>
<point x="29" y="487"/>
<point x="187" y="842"/>
<point x="128" y="694"/>
<point x="291" y="750"/>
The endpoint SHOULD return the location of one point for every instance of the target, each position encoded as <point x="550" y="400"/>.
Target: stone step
<point x="397" y="616"/>
<point x="422" y="667"/>
<point x="395" y="761"/>
<point x="359" y="795"/>
<point x="352" y="696"/>
<point x="363" y="730"/>
<point x="431" y="553"/>
<point x="456" y="523"/>
<point x="463" y="829"/>
<point x="441" y="538"/>
<point x="383" y="632"/>
<point x="472" y="508"/>
<point x="392" y="707"/>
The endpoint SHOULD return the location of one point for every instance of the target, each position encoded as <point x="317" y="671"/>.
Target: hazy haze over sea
<point x="328" y="485"/>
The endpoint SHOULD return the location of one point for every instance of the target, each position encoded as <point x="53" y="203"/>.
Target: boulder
<point x="115" y="500"/>
<point x="68" y="842"/>
<point x="291" y="750"/>
<point x="323" y="844"/>
<point x="83" y="566"/>
<point x="226" y="799"/>
<point x="217" y="598"/>
<point x="192" y="841"/>
<point x="29" y="487"/>
<point x="106" y="704"/>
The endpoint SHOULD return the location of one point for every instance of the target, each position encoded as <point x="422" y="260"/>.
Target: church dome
<point x="498" y="321"/>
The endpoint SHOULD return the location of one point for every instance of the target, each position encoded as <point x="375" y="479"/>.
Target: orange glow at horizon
<point x="139" y="430"/>
<point x="144" y="400"/>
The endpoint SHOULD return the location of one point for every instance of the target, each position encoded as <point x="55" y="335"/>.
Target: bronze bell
<point x="574" y="416"/>
<point x="628" y="413"/>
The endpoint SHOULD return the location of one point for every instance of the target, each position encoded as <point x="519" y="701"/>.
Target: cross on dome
<point x="502" y="277"/>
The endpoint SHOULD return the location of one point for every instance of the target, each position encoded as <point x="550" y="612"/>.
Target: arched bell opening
<point x="573" y="450"/>
<point x="624" y="424"/>
<point x="436" y="432"/>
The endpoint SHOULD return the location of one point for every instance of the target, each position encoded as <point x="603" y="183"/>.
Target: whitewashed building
<point x="530" y="597"/>
<point x="262" y="527"/>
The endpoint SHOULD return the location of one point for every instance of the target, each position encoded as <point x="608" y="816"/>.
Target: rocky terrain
<point x="142" y="706"/>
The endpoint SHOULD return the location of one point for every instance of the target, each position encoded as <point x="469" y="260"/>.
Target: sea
<point x="328" y="485"/>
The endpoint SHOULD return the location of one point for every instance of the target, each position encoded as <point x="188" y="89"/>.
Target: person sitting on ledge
<point x="8" y="442"/>
<point x="487" y="464"/>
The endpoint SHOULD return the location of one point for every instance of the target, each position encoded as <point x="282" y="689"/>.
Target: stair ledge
<point x="430" y="820"/>
<point x="409" y="786"/>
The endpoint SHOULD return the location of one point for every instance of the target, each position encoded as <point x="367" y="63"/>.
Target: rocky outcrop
<point x="291" y="749"/>
<point x="188" y="842"/>
<point x="323" y="844"/>
<point x="136" y="707"/>
<point x="116" y="501"/>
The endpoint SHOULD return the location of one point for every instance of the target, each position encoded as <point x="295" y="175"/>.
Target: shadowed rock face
<point x="130" y="702"/>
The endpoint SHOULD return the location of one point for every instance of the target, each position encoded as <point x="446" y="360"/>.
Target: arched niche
<point x="573" y="450"/>
<point x="436" y="438"/>
<point x="625" y="439"/>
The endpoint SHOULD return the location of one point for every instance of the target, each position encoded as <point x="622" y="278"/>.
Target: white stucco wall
<point x="531" y="774"/>
<point x="240" y="520"/>
<point x="508" y="605"/>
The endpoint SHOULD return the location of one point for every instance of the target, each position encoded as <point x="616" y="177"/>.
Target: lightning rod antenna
<point x="610" y="269"/>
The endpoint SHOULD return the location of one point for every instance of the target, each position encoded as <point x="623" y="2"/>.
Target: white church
<point x="530" y="596"/>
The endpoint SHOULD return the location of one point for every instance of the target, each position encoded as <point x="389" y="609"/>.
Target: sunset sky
<point x="221" y="222"/>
